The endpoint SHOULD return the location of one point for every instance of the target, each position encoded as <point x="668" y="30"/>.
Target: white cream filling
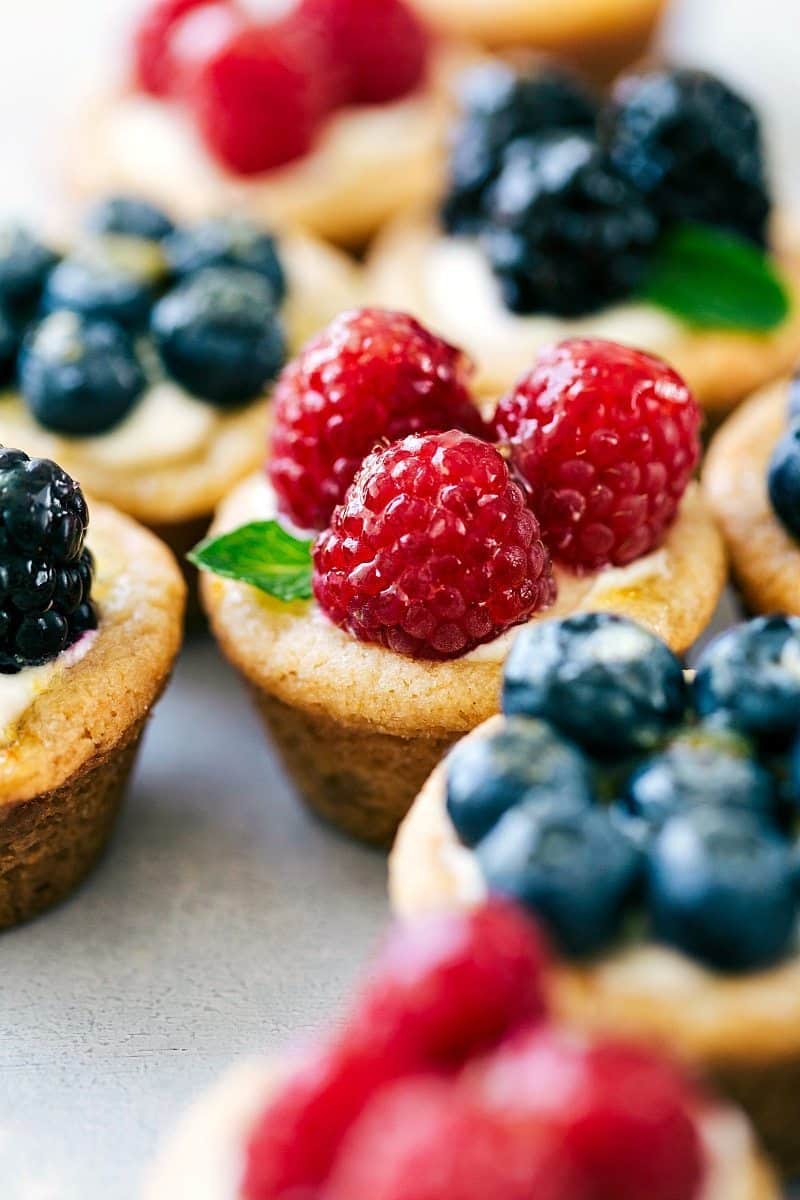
<point x="18" y="692"/>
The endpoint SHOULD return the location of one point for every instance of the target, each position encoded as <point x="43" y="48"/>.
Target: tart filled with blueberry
<point x="331" y="118"/>
<point x="369" y="584"/>
<point x="752" y="481"/>
<point x="91" y="613"/>
<point x="650" y="819"/>
<point x="143" y="357"/>
<point x="646" y="218"/>
<point x="449" y="1079"/>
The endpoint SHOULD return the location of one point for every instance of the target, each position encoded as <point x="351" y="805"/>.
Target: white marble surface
<point x="223" y="920"/>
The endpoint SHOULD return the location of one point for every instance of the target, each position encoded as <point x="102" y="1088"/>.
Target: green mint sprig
<point x="263" y="554"/>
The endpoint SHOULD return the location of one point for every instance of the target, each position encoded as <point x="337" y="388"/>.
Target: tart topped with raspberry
<point x="330" y="118"/>
<point x="649" y="819"/>
<point x="645" y="217"/>
<point x="370" y="583"/>
<point x="450" y="1080"/>
<point x="90" y="623"/>
<point x="143" y="356"/>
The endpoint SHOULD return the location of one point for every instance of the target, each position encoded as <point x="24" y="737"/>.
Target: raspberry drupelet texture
<point x="606" y="439"/>
<point x="372" y="376"/>
<point x="433" y="550"/>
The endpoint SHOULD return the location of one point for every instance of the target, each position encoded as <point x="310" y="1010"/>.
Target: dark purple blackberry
<point x="45" y="571"/>
<point x="500" y="104"/>
<point x="566" y="234"/>
<point x="692" y="147"/>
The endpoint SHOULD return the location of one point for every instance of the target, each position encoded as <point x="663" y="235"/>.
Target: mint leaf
<point x="716" y="280"/>
<point x="262" y="554"/>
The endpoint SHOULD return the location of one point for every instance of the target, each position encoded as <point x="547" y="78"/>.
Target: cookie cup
<point x="743" y="1030"/>
<point x="359" y="727"/>
<point x="447" y="283"/>
<point x="65" y="761"/>
<point x="764" y="557"/>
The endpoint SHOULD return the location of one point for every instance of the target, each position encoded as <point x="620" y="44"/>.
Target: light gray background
<point x="223" y="920"/>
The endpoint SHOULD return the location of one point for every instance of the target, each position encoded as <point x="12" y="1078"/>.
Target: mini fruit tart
<point x="143" y="359"/>
<point x="449" y="1080"/>
<point x="332" y="118"/>
<point x="649" y="819"/>
<point x="646" y="219"/>
<point x="89" y="629"/>
<point x="375" y="643"/>
<point x="752" y="481"/>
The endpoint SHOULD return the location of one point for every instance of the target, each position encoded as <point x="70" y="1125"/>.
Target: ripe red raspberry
<point x="255" y="101"/>
<point x="433" y="550"/>
<point x="454" y="984"/>
<point x="381" y="48"/>
<point x="606" y="439"/>
<point x="156" y="66"/>
<point x="626" y="1117"/>
<point x="422" y="1140"/>
<point x="371" y="376"/>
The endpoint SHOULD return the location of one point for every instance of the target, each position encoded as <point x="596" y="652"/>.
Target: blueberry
<point x="701" y="766"/>
<point x="25" y="264"/>
<point x="79" y="376"/>
<point x="113" y="278"/>
<point x="519" y="760"/>
<point x="748" y="678"/>
<point x="9" y="347"/>
<point x="129" y="216"/>
<point x="783" y="480"/>
<point x="219" y="336"/>
<point x="607" y="683"/>
<point x="794" y="398"/>
<point x="721" y="888"/>
<point x="227" y="242"/>
<point x="569" y="865"/>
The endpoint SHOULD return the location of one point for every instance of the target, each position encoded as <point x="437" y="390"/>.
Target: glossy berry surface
<point x="229" y="241"/>
<point x="219" y="336"/>
<point x="721" y="888"/>
<point x="569" y="865"/>
<point x="692" y="146"/>
<point x="607" y="683"/>
<point x="25" y="263"/>
<point x="156" y="67"/>
<point x="520" y="760"/>
<point x="254" y="102"/>
<point x="129" y="216"/>
<point x="45" y="572"/>
<point x="783" y="480"/>
<point x="114" y="278"/>
<point x="371" y="376"/>
<point x="749" y="679"/>
<point x="566" y="234"/>
<point x="606" y="438"/>
<point x="79" y="376"/>
<point x="499" y="105"/>
<point x="433" y="550"/>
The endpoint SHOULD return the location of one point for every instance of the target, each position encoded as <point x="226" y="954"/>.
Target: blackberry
<point x="114" y="278"/>
<point x="219" y="336"/>
<point x="45" y="570"/>
<point x="499" y="105"/>
<point x="79" y="376"/>
<point x="129" y="216"/>
<point x="227" y="242"/>
<point x="25" y="264"/>
<point x="783" y="479"/>
<point x="565" y="234"/>
<point x="692" y="147"/>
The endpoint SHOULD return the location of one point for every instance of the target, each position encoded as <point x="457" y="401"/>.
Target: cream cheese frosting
<point x="18" y="692"/>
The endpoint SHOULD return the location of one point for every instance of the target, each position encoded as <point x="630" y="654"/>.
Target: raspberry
<point x="606" y="439"/>
<point x="625" y="1116"/>
<point x="381" y="48"/>
<point x="455" y="984"/>
<point x="371" y="375"/>
<point x="422" y="1140"/>
<point x="255" y="101"/>
<point x="155" y="65"/>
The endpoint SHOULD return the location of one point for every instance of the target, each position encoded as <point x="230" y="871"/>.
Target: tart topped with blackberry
<point x="645" y="217"/>
<point x="143" y="356"/>
<point x="370" y="583"/>
<point x="331" y="118"/>
<point x="91" y="613"/>
<point x="449" y="1079"/>
<point x="649" y="819"/>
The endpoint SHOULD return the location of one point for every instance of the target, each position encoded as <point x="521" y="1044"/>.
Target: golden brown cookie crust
<point x="720" y="367"/>
<point x="764" y="557"/>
